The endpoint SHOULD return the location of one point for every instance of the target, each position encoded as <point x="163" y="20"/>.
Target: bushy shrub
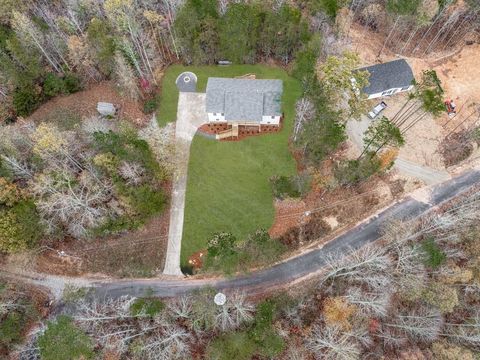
<point x="11" y="328"/>
<point x="283" y="187"/>
<point x="99" y="33"/>
<point x="147" y="306"/>
<point x="221" y="244"/>
<point x="26" y="100"/>
<point x="313" y="230"/>
<point x="20" y="227"/>
<point x="443" y="350"/>
<point x="433" y="254"/>
<point x="349" y="172"/>
<point x="62" y="340"/>
<point x="145" y="200"/>
<point x="142" y="201"/>
<point x="304" y="66"/>
<point x="331" y="7"/>
<point x="236" y="345"/>
<point x="260" y="249"/>
<point x="442" y="296"/>
<point x="262" y="332"/>
<point x="403" y="7"/>
<point x="321" y="136"/>
<point x="151" y="105"/>
<point x="293" y="186"/>
<point x="53" y="85"/>
<point x="72" y="83"/>
<point x="227" y="254"/>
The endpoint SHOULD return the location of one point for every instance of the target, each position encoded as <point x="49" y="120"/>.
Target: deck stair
<point x="229" y="133"/>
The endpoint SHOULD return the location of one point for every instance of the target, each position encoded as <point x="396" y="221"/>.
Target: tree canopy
<point x="62" y="340"/>
<point x="344" y="83"/>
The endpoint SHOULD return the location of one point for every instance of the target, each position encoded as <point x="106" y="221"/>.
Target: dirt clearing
<point x="139" y="253"/>
<point x="459" y="73"/>
<point x="324" y="210"/>
<point x="84" y="103"/>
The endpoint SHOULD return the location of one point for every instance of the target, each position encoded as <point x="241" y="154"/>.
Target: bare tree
<point x="78" y="205"/>
<point x="304" y="112"/>
<point x="467" y="333"/>
<point x="235" y="312"/>
<point x="126" y="78"/>
<point x="181" y="308"/>
<point x="423" y="323"/>
<point x="31" y="35"/>
<point x="162" y="143"/>
<point x="370" y="303"/>
<point x="132" y="173"/>
<point x="171" y="342"/>
<point x="367" y="265"/>
<point x="331" y="343"/>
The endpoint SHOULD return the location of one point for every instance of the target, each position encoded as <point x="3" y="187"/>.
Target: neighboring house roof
<point x="393" y="74"/>
<point x="244" y="99"/>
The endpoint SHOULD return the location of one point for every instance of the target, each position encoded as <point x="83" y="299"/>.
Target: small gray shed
<point x="106" y="109"/>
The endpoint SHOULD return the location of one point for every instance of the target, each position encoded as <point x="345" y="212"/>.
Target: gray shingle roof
<point x="393" y="74"/>
<point x="244" y="99"/>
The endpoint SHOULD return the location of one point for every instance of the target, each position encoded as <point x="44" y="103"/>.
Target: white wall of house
<point x="271" y="120"/>
<point x="266" y="120"/>
<point x="216" y="117"/>
<point x="390" y="92"/>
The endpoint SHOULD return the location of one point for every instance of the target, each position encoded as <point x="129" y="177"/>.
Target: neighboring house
<point x="388" y="78"/>
<point x="244" y="101"/>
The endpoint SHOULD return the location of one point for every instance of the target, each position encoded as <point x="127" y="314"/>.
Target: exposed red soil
<point x="85" y="102"/>
<point x="339" y="207"/>
<point x="196" y="259"/>
<point x="288" y="214"/>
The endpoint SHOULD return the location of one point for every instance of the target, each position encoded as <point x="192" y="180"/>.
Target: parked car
<point x="377" y="110"/>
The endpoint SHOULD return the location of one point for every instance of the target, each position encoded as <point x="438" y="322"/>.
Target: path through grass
<point x="228" y="182"/>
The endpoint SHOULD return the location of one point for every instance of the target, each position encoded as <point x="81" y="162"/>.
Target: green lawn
<point x="228" y="182"/>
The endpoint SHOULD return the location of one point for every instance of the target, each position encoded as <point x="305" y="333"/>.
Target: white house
<point x="388" y="78"/>
<point x="244" y="101"/>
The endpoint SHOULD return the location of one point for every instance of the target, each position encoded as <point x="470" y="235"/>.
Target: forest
<point x="415" y="294"/>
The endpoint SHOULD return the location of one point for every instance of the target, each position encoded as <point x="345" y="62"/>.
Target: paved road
<point x="191" y="114"/>
<point x="301" y="265"/>
<point x="280" y="274"/>
<point x="430" y="176"/>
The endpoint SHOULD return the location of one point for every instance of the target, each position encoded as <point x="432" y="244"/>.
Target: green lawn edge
<point x="228" y="185"/>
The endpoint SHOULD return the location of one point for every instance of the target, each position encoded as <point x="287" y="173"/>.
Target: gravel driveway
<point x="355" y="131"/>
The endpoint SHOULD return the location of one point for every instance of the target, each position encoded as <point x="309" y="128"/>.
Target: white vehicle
<point x="377" y="110"/>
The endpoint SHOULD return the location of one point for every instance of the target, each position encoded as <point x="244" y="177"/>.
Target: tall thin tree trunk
<point x="441" y="31"/>
<point x="430" y="28"/>
<point x="388" y="37"/>
<point x="412" y="35"/>
<point x="468" y="17"/>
